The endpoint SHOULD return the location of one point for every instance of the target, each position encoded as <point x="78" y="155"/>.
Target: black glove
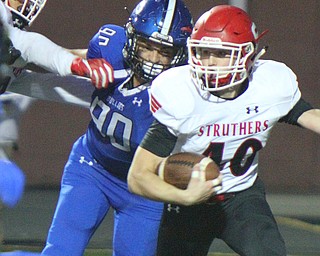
<point x="4" y="80"/>
<point x="12" y="53"/>
<point x="8" y="55"/>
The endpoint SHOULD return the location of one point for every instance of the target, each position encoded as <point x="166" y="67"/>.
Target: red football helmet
<point x="224" y="28"/>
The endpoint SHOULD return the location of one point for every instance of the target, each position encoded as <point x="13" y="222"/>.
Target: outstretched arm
<point x="304" y="115"/>
<point x="73" y="90"/>
<point x="36" y="48"/>
<point x="310" y="120"/>
<point x="79" y="52"/>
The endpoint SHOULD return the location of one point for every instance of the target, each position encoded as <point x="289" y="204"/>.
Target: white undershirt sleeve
<point x="36" y="48"/>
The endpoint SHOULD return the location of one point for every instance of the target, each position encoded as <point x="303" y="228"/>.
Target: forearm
<point x="36" y="48"/>
<point x="79" y="52"/>
<point x="70" y="89"/>
<point x="310" y="120"/>
<point x="143" y="180"/>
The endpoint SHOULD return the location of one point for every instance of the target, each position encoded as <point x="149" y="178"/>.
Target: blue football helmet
<point x="166" y="22"/>
<point x="12" y="183"/>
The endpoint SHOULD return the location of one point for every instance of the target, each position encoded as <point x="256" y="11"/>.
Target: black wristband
<point x="159" y="140"/>
<point x="294" y="114"/>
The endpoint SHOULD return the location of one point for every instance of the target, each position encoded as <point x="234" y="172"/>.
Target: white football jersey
<point x="229" y="131"/>
<point x="13" y="106"/>
<point x="36" y="48"/>
<point x="5" y="14"/>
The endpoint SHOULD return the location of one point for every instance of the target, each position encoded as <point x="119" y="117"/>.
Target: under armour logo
<point x="18" y="23"/>
<point x="82" y="160"/>
<point x="255" y="109"/>
<point x="173" y="208"/>
<point x="136" y="101"/>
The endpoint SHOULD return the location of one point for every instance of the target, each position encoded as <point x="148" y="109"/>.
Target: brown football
<point x="176" y="169"/>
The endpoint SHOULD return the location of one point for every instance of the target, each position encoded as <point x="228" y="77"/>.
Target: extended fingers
<point x="217" y="181"/>
<point x="109" y="72"/>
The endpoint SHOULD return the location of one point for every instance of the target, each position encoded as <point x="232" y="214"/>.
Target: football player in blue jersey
<point x="94" y="178"/>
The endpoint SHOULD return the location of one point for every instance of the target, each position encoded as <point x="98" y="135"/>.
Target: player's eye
<point x="222" y="53"/>
<point x="168" y="53"/>
<point x="205" y="53"/>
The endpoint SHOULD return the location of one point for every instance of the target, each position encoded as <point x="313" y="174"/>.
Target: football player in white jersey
<point x="19" y="47"/>
<point x="12" y="178"/>
<point x="228" y="103"/>
<point x="31" y="47"/>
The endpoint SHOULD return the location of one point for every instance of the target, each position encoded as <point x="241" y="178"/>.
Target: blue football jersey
<point x="120" y="116"/>
<point x="95" y="174"/>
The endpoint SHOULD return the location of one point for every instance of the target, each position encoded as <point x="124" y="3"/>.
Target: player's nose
<point x="154" y="56"/>
<point x="212" y="60"/>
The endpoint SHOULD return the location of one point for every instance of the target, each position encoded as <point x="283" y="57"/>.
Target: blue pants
<point x="87" y="193"/>
<point x="19" y="253"/>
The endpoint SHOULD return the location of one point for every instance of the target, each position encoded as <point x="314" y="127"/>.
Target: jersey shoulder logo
<point x="137" y="101"/>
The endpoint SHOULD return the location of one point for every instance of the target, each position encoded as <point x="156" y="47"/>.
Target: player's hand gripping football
<point x="98" y="70"/>
<point x="200" y="189"/>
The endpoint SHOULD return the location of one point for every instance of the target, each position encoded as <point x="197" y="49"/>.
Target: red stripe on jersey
<point x="155" y="105"/>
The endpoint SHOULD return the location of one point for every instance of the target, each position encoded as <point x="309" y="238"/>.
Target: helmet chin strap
<point x="232" y="92"/>
<point x="259" y="55"/>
